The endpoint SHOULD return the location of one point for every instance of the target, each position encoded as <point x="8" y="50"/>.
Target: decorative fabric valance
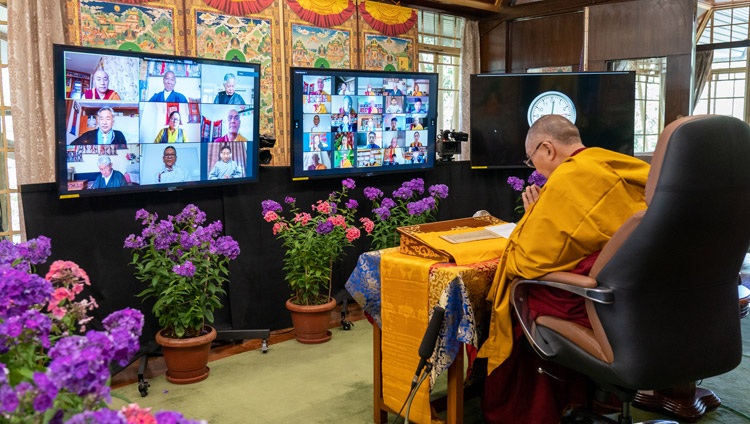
<point x="323" y="13"/>
<point x="239" y="7"/>
<point x="388" y="19"/>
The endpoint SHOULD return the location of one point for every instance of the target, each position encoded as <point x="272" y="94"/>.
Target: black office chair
<point x="662" y="296"/>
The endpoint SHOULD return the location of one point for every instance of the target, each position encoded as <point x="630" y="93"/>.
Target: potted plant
<point x="312" y="243"/>
<point x="405" y="207"/>
<point x="184" y="266"/>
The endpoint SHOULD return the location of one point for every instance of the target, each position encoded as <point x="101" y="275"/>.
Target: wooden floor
<point x="223" y="349"/>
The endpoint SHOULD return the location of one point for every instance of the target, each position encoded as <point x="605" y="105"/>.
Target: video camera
<point x="449" y="143"/>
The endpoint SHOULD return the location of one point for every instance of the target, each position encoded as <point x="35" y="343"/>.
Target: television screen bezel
<point x="61" y="160"/>
<point x="628" y="101"/>
<point x="297" y="131"/>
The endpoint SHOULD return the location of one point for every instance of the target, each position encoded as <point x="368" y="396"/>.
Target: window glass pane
<point x="4" y="52"/>
<point x="3" y="182"/>
<point x="651" y="142"/>
<point x="6" y="86"/>
<point x="12" y="178"/>
<point x="4" y="213"/>
<point x="9" y="129"/>
<point x="14" y="213"/>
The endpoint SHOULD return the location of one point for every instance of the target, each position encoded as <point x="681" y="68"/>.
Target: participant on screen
<point x="104" y="134"/>
<point x="172" y="133"/>
<point x="229" y="96"/>
<point x="108" y="177"/>
<point x="168" y="94"/>
<point x="233" y="128"/>
<point x="101" y="90"/>
<point x="225" y="167"/>
<point x="171" y="173"/>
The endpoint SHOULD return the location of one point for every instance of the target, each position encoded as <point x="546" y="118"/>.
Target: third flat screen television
<point x="348" y="122"/>
<point x="503" y="107"/>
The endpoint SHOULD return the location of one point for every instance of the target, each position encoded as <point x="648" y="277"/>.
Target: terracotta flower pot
<point x="186" y="359"/>
<point x="311" y="322"/>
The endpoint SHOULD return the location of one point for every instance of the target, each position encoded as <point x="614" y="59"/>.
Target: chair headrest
<point x="661" y="147"/>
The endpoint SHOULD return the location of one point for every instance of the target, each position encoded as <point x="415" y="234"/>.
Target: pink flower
<point x="134" y="414"/>
<point x="352" y="233"/>
<point x="279" y="227"/>
<point x="338" y="220"/>
<point x="302" y="218"/>
<point x="59" y="269"/>
<point x="368" y="224"/>
<point x="270" y="216"/>
<point x="323" y="207"/>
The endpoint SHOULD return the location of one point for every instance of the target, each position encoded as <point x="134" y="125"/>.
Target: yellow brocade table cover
<point x="400" y="293"/>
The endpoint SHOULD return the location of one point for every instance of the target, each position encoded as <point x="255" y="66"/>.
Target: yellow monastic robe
<point x="586" y="199"/>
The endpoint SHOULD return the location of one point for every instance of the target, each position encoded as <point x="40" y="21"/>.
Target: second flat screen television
<point x="503" y="107"/>
<point x="347" y="122"/>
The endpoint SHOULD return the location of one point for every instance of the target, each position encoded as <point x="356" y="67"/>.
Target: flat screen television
<point x="131" y="121"/>
<point x="347" y="122"/>
<point x="503" y="106"/>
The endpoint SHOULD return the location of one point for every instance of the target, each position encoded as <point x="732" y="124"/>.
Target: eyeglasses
<point x="528" y="162"/>
<point x="169" y="155"/>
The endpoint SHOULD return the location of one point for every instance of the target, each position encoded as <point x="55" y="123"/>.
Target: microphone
<point x="429" y="340"/>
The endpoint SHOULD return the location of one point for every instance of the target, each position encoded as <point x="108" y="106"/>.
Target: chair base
<point x="688" y="402"/>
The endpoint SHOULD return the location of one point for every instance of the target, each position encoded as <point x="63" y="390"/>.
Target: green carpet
<point x="332" y="383"/>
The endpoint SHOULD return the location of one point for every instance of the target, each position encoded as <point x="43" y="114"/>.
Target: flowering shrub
<point x="313" y="241"/>
<point x="518" y="184"/>
<point x="52" y="369"/>
<point x="184" y="265"/>
<point x="403" y="208"/>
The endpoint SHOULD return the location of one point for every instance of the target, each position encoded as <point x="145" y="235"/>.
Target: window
<point x="649" y="95"/>
<point x="723" y="91"/>
<point x="440" y="51"/>
<point x="10" y="222"/>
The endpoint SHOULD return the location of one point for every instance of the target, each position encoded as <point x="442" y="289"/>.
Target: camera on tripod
<point x="449" y="143"/>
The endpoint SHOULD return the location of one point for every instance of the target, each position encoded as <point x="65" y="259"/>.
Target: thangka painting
<point x="252" y="38"/>
<point x="383" y="52"/>
<point x="152" y="28"/>
<point x="315" y="47"/>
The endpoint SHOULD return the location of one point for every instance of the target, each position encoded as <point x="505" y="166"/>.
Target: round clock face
<point x="551" y="103"/>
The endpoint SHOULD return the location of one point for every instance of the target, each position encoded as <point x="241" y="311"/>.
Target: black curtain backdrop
<point x="91" y="231"/>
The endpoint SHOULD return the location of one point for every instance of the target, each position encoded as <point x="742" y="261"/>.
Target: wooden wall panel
<point x="548" y="41"/>
<point x="641" y="29"/>
<point x="492" y="40"/>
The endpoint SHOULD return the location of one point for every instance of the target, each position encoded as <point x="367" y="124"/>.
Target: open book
<point x="494" y="231"/>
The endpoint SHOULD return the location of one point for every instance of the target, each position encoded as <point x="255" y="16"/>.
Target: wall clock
<point x="551" y="103"/>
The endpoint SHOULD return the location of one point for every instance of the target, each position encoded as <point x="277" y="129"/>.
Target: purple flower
<point x="537" y="179"/>
<point x="373" y="193"/>
<point x="417" y="184"/>
<point x="20" y="291"/>
<point x="124" y="327"/>
<point x="403" y="192"/>
<point x="439" y="191"/>
<point x="349" y="183"/>
<point x="46" y="392"/>
<point x="271" y="205"/>
<point x="388" y="203"/>
<point x="35" y="251"/>
<point x="80" y="364"/>
<point x="419" y="207"/>
<point x="135" y="242"/>
<point x="382" y="213"/>
<point x="191" y="214"/>
<point x="352" y="204"/>
<point x="101" y="416"/>
<point x="189" y="240"/>
<point x="289" y="200"/>
<point x="8" y="398"/>
<point x="516" y="183"/>
<point x="142" y="214"/>
<point x="186" y="270"/>
<point x="171" y="417"/>
<point x="227" y="246"/>
<point x="324" y="227"/>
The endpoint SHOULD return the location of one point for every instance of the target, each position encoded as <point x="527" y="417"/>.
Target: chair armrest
<point x="581" y="285"/>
